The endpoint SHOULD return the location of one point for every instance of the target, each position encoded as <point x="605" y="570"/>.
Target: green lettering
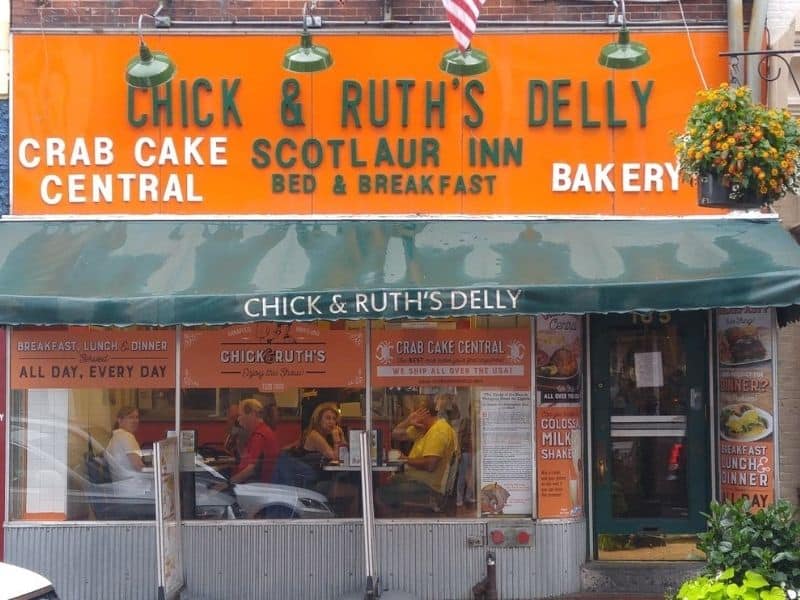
<point x="184" y="104"/>
<point x="373" y="117"/>
<point x="432" y="104"/>
<point x="429" y="151"/>
<point x="260" y="158"/>
<point x="285" y="163"/>
<point x="642" y="97"/>
<point x="613" y="122"/>
<point x="383" y="153"/>
<point x="461" y="187"/>
<point x="133" y="120"/>
<point x="512" y="151"/>
<point x="164" y="103"/>
<point x="406" y="159"/>
<point x="585" y="121"/>
<point x="229" y="109"/>
<point x="476" y="86"/>
<point x="350" y="104"/>
<point x="206" y="85"/>
<point x="405" y="86"/>
<point x="354" y="160"/>
<point x="311" y="153"/>
<point x="559" y="102"/>
<point x="335" y="145"/>
<point x="291" y="110"/>
<point x="537" y="87"/>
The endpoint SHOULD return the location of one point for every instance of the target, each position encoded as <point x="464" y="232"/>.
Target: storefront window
<point x="86" y="406"/>
<point x="452" y="402"/>
<point x="273" y="406"/>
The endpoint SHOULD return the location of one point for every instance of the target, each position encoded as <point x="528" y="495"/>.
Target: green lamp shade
<point x="471" y="62"/>
<point x="149" y="69"/>
<point x="624" y="54"/>
<point x="307" y="58"/>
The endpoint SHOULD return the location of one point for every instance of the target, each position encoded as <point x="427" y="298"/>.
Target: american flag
<point x="463" y="17"/>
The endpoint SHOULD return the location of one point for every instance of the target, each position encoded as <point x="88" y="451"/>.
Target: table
<point x="388" y="468"/>
<point x="344" y="476"/>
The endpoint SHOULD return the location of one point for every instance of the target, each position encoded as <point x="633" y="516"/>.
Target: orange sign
<point x="559" y="463"/>
<point x="84" y="357"/>
<point x="499" y="357"/>
<point x="231" y="135"/>
<point x="272" y="357"/>
<point x="746" y="413"/>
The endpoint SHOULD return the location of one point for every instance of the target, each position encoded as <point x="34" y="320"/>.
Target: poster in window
<point x="746" y="407"/>
<point x="506" y="455"/>
<point x="559" y="359"/>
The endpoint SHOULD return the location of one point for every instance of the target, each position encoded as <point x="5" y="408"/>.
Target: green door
<point x="649" y="419"/>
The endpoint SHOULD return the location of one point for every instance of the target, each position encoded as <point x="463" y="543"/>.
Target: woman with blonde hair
<point x="323" y="434"/>
<point x="123" y="449"/>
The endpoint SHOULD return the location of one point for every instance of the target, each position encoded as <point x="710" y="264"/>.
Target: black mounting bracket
<point x="764" y="58"/>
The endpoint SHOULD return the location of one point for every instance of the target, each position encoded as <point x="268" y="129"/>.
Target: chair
<point x="437" y="502"/>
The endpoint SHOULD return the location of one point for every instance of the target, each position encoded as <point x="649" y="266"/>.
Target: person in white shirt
<point x="125" y="455"/>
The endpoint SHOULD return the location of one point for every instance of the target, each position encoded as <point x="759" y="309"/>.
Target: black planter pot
<point x="713" y="193"/>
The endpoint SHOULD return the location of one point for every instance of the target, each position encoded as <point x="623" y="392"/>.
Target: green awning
<point x="190" y="272"/>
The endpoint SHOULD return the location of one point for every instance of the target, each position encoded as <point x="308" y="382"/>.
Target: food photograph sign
<point x="559" y="424"/>
<point x="746" y="416"/>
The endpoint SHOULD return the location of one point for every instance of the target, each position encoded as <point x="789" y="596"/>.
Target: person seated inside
<point x="123" y="453"/>
<point x="428" y="463"/>
<point x="260" y="453"/>
<point x="324" y="434"/>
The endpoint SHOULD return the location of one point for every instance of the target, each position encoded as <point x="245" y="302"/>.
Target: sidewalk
<point x="603" y="596"/>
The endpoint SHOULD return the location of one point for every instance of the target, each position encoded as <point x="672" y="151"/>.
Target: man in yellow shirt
<point x="428" y="462"/>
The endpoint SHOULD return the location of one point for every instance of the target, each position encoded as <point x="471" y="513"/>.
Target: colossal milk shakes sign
<point x="381" y="132"/>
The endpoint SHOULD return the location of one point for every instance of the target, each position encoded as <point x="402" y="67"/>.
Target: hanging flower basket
<point x="739" y="153"/>
<point x="713" y="192"/>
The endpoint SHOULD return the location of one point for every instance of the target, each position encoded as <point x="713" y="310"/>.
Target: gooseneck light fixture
<point x="307" y="58"/>
<point x="623" y="54"/>
<point x="150" y="69"/>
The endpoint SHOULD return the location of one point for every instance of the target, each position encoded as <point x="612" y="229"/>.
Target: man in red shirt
<point x="261" y="451"/>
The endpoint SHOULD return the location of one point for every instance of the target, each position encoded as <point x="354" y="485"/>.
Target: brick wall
<point x="116" y="14"/>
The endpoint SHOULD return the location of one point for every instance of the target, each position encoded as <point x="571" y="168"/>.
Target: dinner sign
<point x="746" y="416"/>
<point x="92" y="357"/>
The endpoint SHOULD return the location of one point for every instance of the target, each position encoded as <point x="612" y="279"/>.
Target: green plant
<point x="721" y="587"/>
<point x="754" y="149"/>
<point x="765" y="541"/>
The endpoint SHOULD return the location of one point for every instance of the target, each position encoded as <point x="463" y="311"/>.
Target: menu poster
<point x="559" y="357"/>
<point x="92" y="357"/>
<point x="746" y="408"/>
<point x="169" y="559"/>
<point x="506" y="454"/>
<point x="474" y="357"/>
<point x="559" y="434"/>
<point x="272" y="357"/>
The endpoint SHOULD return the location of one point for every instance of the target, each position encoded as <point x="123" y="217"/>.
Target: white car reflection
<point x="267" y="500"/>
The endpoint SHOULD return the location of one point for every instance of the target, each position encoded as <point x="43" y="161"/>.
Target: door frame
<point x="712" y="430"/>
